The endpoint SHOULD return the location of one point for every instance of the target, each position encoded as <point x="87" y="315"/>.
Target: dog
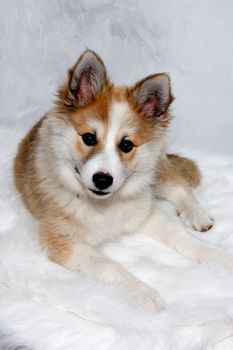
<point x="91" y="169"/>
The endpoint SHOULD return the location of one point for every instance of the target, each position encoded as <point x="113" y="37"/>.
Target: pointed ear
<point x="153" y="95"/>
<point x="85" y="79"/>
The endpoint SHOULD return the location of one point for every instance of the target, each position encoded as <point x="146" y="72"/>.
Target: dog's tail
<point x="186" y="168"/>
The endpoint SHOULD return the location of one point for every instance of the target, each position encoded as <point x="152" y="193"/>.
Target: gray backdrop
<point x="190" y="39"/>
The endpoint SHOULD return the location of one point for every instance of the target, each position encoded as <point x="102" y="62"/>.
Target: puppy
<point x="91" y="168"/>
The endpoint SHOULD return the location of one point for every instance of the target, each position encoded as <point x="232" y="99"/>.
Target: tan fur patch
<point x="128" y="157"/>
<point x="187" y="168"/>
<point x="173" y="168"/>
<point x="53" y="236"/>
<point x="120" y="93"/>
<point x="58" y="246"/>
<point x="25" y="175"/>
<point x="84" y="151"/>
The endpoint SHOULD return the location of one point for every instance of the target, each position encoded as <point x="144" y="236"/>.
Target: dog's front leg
<point x="86" y="259"/>
<point x="187" y="206"/>
<point x="160" y="227"/>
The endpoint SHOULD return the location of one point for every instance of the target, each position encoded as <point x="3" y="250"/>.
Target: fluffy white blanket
<point x="44" y="306"/>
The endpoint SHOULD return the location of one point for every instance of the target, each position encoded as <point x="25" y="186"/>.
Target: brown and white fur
<point x="54" y="171"/>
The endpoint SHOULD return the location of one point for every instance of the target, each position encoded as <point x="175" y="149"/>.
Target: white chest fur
<point x="101" y="222"/>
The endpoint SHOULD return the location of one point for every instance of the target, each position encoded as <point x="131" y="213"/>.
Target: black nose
<point x="102" y="181"/>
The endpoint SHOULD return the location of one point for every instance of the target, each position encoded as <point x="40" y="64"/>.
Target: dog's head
<point x="111" y="137"/>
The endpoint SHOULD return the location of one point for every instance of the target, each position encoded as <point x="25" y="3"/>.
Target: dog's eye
<point x="126" y="145"/>
<point x="89" y="139"/>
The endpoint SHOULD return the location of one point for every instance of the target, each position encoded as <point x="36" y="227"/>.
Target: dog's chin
<point x="99" y="194"/>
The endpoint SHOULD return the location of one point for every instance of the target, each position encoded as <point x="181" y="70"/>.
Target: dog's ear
<point x="153" y="95"/>
<point x="86" y="79"/>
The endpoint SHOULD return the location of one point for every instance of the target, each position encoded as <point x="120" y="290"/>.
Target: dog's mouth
<point x="99" y="193"/>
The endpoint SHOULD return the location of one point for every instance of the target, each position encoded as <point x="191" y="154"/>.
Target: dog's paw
<point x="195" y="217"/>
<point x="148" y="298"/>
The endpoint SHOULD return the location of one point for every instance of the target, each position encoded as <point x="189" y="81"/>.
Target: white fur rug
<point x="45" y="307"/>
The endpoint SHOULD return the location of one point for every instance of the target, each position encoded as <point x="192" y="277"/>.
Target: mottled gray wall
<point x="191" y="39"/>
